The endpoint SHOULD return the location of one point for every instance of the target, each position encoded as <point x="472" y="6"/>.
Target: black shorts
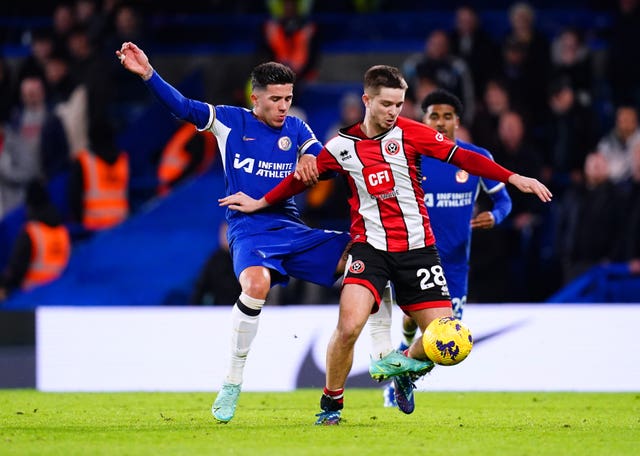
<point x="417" y="275"/>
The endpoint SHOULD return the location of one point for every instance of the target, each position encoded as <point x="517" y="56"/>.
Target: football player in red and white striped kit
<point x="392" y="238"/>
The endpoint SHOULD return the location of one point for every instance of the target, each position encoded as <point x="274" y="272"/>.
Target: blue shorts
<point x="299" y="251"/>
<point x="457" y="281"/>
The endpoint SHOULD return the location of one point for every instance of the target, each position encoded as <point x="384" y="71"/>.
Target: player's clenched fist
<point x="135" y="60"/>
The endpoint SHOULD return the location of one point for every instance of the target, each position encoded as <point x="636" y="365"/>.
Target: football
<point x="447" y="341"/>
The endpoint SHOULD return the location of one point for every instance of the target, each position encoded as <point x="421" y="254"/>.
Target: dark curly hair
<point x="441" y="96"/>
<point x="271" y="73"/>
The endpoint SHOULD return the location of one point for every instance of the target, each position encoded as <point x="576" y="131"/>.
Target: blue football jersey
<point x="256" y="157"/>
<point x="450" y="194"/>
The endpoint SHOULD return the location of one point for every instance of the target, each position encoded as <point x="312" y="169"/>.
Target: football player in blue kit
<point x="258" y="148"/>
<point x="450" y="195"/>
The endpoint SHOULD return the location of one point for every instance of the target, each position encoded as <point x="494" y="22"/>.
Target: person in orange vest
<point x="189" y="152"/>
<point x="99" y="181"/>
<point x="42" y="249"/>
<point x="291" y="38"/>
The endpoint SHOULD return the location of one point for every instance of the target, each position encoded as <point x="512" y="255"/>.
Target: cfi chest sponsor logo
<point x="462" y="176"/>
<point x="357" y="267"/>
<point x="392" y="147"/>
<point x="284" y="143"/>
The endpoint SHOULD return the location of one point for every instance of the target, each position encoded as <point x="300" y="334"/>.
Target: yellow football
<point x="447" y="341"/>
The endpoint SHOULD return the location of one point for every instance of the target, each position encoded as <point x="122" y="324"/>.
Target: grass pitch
<point x="583" y="424"/>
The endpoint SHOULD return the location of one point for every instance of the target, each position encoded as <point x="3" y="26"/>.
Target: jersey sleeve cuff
<point x="312" y="147"/>
<point x="212" y="118"/>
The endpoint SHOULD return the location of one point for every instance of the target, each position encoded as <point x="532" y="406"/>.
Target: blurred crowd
<point x="559" y="108"/>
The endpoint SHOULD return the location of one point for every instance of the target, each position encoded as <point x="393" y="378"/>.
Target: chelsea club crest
<point x="284" y="143"/>
<point x="462" y="176"/>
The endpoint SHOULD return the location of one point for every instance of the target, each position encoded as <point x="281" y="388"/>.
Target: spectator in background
<point x="470" y="42"/>
<point x="217" y="283"/>
<point x="88" y="17"/>
<point x="571" y="60"/>
<point x="6" y="90"/>
<point x="41" y="48"/>
<point x="523" y="224"/>
<point x="411" y="108"/>
<point x="128" y="102"/>
<point x="527" y="61"/>
<point x="99" y="181"/>
<point x="32" y="133"/>
<point x="188" y="153"/>
<point x="624" y="53"/>
<point x="91" y="70"/>
<point x="68" y="100"/>
<point x="496" y="101"/>
<point x="58" y="80"/>
<point x="615" y="144"/>
<point x="42" y="249"/>
<point x="64" y="19"/>
<point x="521" y="85"/>
<point x="128" y="24"/>
<point x="589" y="222"/>
<point x="628" y="245"/>
<point x="291" y="38"/>
<point x="522" y="18"/>
<point x="444" y="69"/>
<point x="571" y="133"/>
<point x="351" y="111"/>
<point x="101" y="25"/>
<point x="324" y="203"/>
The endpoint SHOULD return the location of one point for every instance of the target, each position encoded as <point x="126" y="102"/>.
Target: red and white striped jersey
<point x="384" y="178"/>
<point x="387" y="199"/>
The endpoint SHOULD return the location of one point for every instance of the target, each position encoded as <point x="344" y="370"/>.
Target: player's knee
<point x="347" y="333"/>
<point x="255" y="282"/>
<point x="256" y="290"/>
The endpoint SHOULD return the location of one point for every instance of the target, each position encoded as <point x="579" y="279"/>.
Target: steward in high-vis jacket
<point x="99" y="182"/>
<point x="188" y="152"/>
<point x="42" y="249"/>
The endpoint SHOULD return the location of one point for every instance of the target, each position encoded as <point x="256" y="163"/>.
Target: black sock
<point x="332" y="401"/>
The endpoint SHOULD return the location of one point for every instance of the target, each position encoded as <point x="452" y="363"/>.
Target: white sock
<point x="243" y="330"/>
<point x="380" y="327"/>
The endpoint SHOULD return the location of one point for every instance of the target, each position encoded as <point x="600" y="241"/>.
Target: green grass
<point x="582" y="424"/>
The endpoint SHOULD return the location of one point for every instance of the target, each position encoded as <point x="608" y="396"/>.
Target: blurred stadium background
<point x="207" y="49"/>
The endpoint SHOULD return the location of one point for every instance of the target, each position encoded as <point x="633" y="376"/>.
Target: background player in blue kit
<point x="258" y="148"/>
<point x="450" y="195"/>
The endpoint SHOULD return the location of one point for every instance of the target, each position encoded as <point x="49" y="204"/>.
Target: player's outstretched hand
<point x="306" y="170"/>
<point x="530" y="185"/>
<point x="483" y="221"/>
<point x="243" y="202"/>
<point x="135" y="60"/>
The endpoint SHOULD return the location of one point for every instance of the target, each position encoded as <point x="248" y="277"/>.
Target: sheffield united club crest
<point x="392" y="147"/>
<point x="357" y="267"/>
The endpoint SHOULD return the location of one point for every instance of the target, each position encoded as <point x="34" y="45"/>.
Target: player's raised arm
<point x="136" y="61"/>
